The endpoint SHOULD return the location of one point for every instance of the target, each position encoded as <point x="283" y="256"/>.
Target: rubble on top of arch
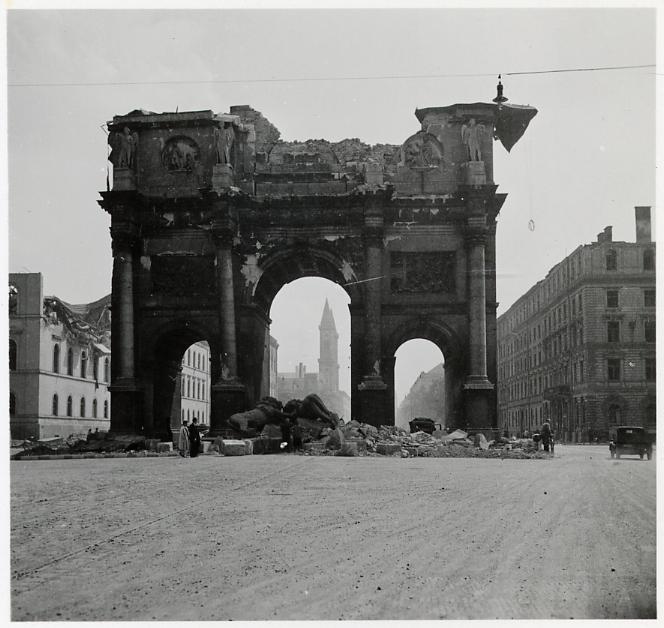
<point x="89" y="322"/>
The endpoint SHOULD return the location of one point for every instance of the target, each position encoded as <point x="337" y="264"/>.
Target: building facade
<point x="194" y="384"/>
<point x="59" y="362"/>
<point x="325" y="383"/>
<point x="578" y="349"/>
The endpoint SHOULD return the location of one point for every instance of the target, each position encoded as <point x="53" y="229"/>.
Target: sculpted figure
<point x="123" y="148"/>
<point x="312" y="408"/>
<point x="251" y="423"/>
<point x="471" y="135"/>
<point x="224" y="139"/>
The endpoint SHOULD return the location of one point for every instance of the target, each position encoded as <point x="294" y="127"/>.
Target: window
<point x="649" y="298"/>
<point x="649" y="327"/>
<point x="94" y="408"/>
<point x="611" y="260"/>
<point x="12" y="355"/>
<point x="69" y="406"/>
<point x="651" y="374"/>
<point x="82" y="406"/>
<point x="106" y="408"/>
<point x="84" y="364"/>
<point x="614" y="414"/>
<point x="95" y="368"/>
<point x="581" y="371"/>
<point x="613" y="331"/>
<point x="12" y="404"/>
<point x="611" y="298"/>
<point x="613" y="368"/>
<point x="70" y="362"/>
<point x="56" y="358"/>
<point x="649" y="259"/>
<point x="54" y="407"/>
<point x="107" y="370"/>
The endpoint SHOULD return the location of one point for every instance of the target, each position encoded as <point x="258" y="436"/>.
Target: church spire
<point x="328" y="362"/>
<point x="327" y="320"/>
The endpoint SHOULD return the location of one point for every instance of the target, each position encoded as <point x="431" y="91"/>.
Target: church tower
<point x="328" y="362"/>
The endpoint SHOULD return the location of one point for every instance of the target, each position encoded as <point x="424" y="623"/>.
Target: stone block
<point x="164" y="447"/>
<point x="313" y="447"/>
<point x="358" y="444"/>
<point x="233" y="447"/>
<point x="388" y="449"/>
<point x="248" y="447"/>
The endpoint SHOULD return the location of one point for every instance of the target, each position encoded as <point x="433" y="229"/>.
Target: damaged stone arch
<point x="450" y="345"/>
<point x="162" y="364"/>
<point x="303" y="260"/>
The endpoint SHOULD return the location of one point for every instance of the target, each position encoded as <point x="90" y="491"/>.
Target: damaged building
<point x="211" y="214"/>
<point x="59" y="362"/>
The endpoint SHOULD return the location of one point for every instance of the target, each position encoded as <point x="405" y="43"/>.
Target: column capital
<point x="124" y="235"/>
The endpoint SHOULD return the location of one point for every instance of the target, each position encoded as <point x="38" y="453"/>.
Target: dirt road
<point x="293" y="537"/>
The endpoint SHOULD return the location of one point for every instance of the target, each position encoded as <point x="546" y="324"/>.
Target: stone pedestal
<point x="222" y="176"/>
<point x="474" y="173"/>
<point x="478" y="404"/>
<point x="126" y="407"/>
<point x="227" y="399"/>
<point x="123" y="179"/>
<point x="373" y="401"/>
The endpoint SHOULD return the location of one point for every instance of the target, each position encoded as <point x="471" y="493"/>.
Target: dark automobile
<point x="630" y="440"/>
<point x="421" y="424"/>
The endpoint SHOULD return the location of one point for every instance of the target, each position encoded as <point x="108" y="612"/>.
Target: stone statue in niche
<point x="223" y="140"/>
<point x="422" y="150"/>
<point x="123" y="148"/>
<point x="471" y="135"/>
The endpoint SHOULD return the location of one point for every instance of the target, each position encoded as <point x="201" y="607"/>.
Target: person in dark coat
<point x="194" y="438"/>
<point x="546" y="436"/>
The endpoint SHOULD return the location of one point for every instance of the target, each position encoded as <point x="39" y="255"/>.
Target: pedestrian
<point x="183" y="440"/>
<point x="194" y="438"/>
<point x="546" y="436"/>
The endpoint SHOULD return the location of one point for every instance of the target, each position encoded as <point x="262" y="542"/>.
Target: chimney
<point x="643" y="224"/>
<point x="608" y="234"/>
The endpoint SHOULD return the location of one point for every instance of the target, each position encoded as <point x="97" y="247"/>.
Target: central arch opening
<point x="310" y="343"/>
<point x="419" y="382"/>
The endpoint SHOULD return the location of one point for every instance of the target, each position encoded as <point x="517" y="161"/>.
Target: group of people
<point x="189" y="441"/>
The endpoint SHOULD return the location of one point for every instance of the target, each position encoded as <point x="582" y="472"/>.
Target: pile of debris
<point x="356" y="439"/>
<point x="96" y="442"/>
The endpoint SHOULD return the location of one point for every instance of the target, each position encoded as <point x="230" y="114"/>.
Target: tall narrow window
<point x="84" y="364"/>
<point x="83" y="406"/>
<point x="12" y="404"/>
<point x="649" y="298"/>
<point x="614" y="414"/>
<point x="56" y="358"/>
<point x="13" y="300"/>
<point x="650" y="330"/>
<point x="611" y="260"/>
<point x="94" y="408"/>
<point x="107" y="370"/>
<point x="611" y="298"/>
<point x="54" y="407"/>
<point x="613" y="331"/>
<point x="613" y="368"/>
<point x="12" y="355"/>
<point x="70" y="361"/>
<point x="69" y="406"/>
<point x="95" y="367"/>
<point x="651" y="374"/>
<point x="649" y="259"/>
<point x="106" y="408"/>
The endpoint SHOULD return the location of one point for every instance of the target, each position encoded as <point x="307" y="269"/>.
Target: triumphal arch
<point x="211" y="214"/>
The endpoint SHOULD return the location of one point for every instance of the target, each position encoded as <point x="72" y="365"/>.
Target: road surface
<point x="287" y="537"/>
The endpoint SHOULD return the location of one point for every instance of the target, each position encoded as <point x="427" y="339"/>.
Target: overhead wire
<point x="333" y="78"/>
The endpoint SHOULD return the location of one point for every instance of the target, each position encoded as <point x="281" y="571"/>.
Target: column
<point x="228" y="394"/>
<point x="126" y="401"/>
<point x="373" y="390"/>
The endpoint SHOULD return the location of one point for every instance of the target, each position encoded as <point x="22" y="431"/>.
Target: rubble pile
<point x="356" y="439"/>
<point x="99" y="442"/>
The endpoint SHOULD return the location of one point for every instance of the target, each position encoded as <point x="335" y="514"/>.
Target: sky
<point x="586" y="160"/>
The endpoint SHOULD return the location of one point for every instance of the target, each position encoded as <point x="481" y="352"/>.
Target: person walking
<point x="183" y="440"/>
<point x="546" y="436"/>
<point x="194" y="438"/>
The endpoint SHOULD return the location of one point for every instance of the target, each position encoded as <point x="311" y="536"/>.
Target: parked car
<point x="630" y="440"/>
<point x="422" y="424"/>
